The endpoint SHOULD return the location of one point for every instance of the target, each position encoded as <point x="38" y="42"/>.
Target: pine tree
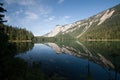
<point x="3" y="36"/>
<point x="2" y="10"/>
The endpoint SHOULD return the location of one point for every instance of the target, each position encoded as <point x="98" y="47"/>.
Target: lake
<point x="66" y="61"/>
<point x="74" y="61"/>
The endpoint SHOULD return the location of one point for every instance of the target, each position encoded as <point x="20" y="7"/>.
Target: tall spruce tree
<point x="3" y="36"/>
<point x="2" y="10"/>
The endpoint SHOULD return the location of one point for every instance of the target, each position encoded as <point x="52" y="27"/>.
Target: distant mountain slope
<point x="109" y="29"/>
<point x="104" y="25"/>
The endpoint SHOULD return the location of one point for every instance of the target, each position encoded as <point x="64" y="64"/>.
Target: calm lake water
<point x="74" y="60"/>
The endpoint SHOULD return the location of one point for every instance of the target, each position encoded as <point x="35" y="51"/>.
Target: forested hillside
<point x="15" y="33"/>
<point x="110" y="29"/>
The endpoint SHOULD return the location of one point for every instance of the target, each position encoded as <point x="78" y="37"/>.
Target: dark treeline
<point x="58" y="38"/>
<point x="38" y="39"/>
<point x="15" y="33"/>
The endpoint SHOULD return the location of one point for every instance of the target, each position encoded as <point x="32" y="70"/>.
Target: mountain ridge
<point x="79" y="28"/>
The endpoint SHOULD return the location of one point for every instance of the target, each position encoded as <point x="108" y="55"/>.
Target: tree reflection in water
<point x="12" y="68"/>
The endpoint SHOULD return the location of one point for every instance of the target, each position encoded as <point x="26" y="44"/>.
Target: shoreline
<point x="103" y="40"/>
<point x="19" y="40"/>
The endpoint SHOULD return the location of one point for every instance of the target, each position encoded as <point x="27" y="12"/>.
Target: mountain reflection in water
<point x="75" y="61"/>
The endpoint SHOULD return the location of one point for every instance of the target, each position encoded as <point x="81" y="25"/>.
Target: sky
<point x="41" y="16"/>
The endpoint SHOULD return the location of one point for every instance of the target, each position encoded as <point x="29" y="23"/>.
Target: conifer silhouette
<point x="2" y="10"/>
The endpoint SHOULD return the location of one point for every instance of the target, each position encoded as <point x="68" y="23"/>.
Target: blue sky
<point x="41" y="16"/>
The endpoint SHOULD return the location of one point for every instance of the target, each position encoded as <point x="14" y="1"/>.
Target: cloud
<point x="43" y="10"/>
<point x="30" y="5"/>
<point x="27" y="10"/>
<point x="21" y="2"/>
<point x="63" y="20"/>
<point x="8" y="18"/>
<point x="31" y="15"/>
<point x="19" y="12"/>
<point x="9" y="1"/>
<point x="60" y="1"/>
<point x="28" y="19"/>
<point x="66" y="17"/>
<point x="51" y="18"/>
